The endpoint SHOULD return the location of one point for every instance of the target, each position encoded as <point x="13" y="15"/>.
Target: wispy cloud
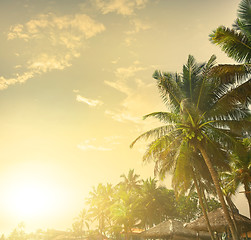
<point x="92" y="145"/>
<point x="122" y="75"/>
<point x="5" y="82"/>
<point x="72" y="28"/>
<point x="86" y="147"/>
<point x="115" y="61"/>
<point x="88" y="101"/>
<point x="55" y="40"/>
<point x="122" y="116"/>
<point x="123" y="7"/>
<point x="137" y="26"/>
<point x="137" y="101"/>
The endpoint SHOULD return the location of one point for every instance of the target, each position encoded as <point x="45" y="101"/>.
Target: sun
<point x="32" y="190"/>
<point x="30" y="199"/>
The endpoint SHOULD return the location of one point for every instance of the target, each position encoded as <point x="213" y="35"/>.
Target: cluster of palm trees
<point x="133" y="203"/>
<point x="205" y="138"/>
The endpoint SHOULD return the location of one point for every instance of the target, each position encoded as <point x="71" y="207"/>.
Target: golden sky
<point x="75" y="81"/>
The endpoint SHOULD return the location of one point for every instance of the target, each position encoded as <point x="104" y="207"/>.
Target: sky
<point x="75" y="81"/>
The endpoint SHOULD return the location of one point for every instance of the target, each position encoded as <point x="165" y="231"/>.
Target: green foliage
<point x="138" y="204"/>
<point x="236" y="42"/>
<point x="81" y="224"/>
<point x="188" y="207"/>
<point x="209" y="112"/>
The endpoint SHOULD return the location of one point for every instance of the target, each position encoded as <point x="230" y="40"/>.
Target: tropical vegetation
<point x="236" y="42"/>
<point x="115" y="211"/>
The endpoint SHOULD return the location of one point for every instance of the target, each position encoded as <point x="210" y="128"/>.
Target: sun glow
<point x="33" y="192"/>
<point x="30" y="199"/>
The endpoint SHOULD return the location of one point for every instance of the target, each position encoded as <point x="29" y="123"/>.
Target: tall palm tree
<point x="131" y="181"/>
<point x="191" y="173"/>
<point x="236" y="42"/>
<point x="241" y="171"/>
<point x="80" y="223"/>
<point x="124" y="210"/>
<point x="100" y="201"/>
<point x="206" y="106"/>
<point x="151" y="203"/>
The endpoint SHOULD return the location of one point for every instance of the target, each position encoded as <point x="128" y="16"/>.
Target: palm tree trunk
<point x="232" y="208"/>
<point x="218" y="190"/>
<point x="204" y="197"/>
<point x="248" y="194"/>
<point x="203" y="206"/>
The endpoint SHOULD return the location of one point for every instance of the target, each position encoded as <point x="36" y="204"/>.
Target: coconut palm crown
<point x="236" y="42"/>
<point x="208" y="112"/>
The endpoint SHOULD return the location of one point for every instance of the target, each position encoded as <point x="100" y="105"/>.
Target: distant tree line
<point x="114" y="211"/>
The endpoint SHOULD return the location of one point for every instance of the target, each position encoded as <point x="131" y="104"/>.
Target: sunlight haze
<point x="75" y="81"/>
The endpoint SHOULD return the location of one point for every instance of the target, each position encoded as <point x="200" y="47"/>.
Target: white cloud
<point x="86" y="147"/>
<point x="5" y="82"/>
<point x="141" y="97"/>
<point x="115" y="61"/>
<point x="45" y="63"/>
<point x="113" y="139"/>
<point x="88" y="101"/>
<point x="123" y="7"/>
<point x="71" y="28"/>
<point x="138" y="26"/>
<point x="128" y="72"/>
<point x="122" y="116"/>
<point x="91" y="144"/>
<point x="55" y="40"/>
<point x="122" y="76"/>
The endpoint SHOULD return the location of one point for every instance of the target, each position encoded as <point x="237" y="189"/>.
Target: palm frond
<point x="244" y="12"/>
<point x="230" y="73"/>
<point x="232" y="104"/>
<point x="224" y="137"/>
<point x="167" y="164"/>
<point x="154" y="133"/>
<point x="162" y="148"/>
<point x="166" y="117"/>
<point x="168" y="85"/>
<point x="237" y="127"/>
<point x="156" y="147"/>
<point x="201" y="88"/>
<point x="235" y="44"/>
<point x="243" y="27"/>
<point x="191" y="75"/>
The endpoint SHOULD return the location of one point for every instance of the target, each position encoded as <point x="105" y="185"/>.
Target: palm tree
<point x="236" y="42"/>
<point x="191" y="173"/>
<point x="124" y="209"/>
<point x="151" y="203"/>
<point x="80" y="223"/>
<point x="240" y="173"/>
<point x="131" y="181"/>
<point x="206" y="106"/>
<point x="100" y="202"/>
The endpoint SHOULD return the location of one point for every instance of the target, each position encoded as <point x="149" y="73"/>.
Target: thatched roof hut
<point x="171" y="229"/>
<point x="219" y="223"/>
